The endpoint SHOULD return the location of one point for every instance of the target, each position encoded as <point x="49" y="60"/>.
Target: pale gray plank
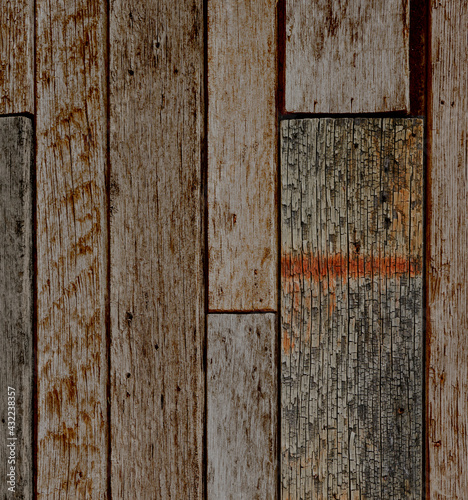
<point x="242" y="406"/>
<point x="16" y="309"/>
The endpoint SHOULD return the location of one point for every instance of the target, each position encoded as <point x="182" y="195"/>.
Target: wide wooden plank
<point x="71" y="135"/>
<point x="156" y="248"/>
<point x="242" y="406"/>
<point x="16" y="56"/>
<point x="351" y="316"/>
<point x="447" y="264"/>
<point x="242" y="155"/>
<point x="16" y="310"/>
<point x="347" y="57"/>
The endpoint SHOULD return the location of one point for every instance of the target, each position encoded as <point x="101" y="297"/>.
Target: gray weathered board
<point x="157" y="290"/>
<point x="347" y="56"/>
<point x="16" y="310"/>
<point x="242" y="406"/>
<point x="351" y="334"/>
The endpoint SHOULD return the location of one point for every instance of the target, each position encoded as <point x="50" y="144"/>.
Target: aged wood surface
<point x="242" y="406"/>
<point x="71" y="249"/>
<point x="447" y="264"/>
<point x="351" y="335"/>
<point x="347" y="56"/>
<point x="16" y="327"/>
<point x="242" y="155"/>
<point x="16" y="56"/>
<point x="156" y="248"/>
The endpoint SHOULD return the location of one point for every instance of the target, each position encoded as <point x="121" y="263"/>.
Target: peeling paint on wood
<point x="347" y="56"/>
<point x="242" y="156"/>
<point x="242" y="407"/>
<point x="71" y="130"/>
<point x="351" y="347"/>
<point x="16" y="56"/>
<point x="16" y="308"/>
<point x="156" y="248"/>
<point x="447" y="264"/>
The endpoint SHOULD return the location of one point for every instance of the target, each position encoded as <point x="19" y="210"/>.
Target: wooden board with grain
<point x="242" y="156"/>
<point x="447" y="254"/>
<point x="156" y="248"/>
<point x="16" y="307"/>
<point x="242" y="406"/>
<point x="71" y="134"/>
<point x="351" y="316"/>
<point x="16" y="56"/>
<point x="347" y="57"/>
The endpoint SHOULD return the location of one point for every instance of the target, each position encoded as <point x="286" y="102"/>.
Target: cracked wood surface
<point x="16" y="301"/>
<point x="447" y="264"/>
<point x="71" y="129"/>
<point x="242" y="156"/>
<point x="347" y="56"/>
<point x="242" y="406"/>
<point x="156" y="248"/>
<point x="351" y="334"/>
<point x="16" y="56"/>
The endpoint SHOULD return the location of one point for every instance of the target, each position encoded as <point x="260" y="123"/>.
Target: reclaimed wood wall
<point x="206" y="295"/>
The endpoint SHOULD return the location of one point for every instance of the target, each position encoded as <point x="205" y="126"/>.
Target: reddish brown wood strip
<point x="16" y="56"/>
<point x="447" y="264"/>
<point x="71" y="249"/>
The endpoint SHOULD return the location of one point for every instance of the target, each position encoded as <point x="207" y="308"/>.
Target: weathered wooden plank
<point x="242" y="156"/>
<point x="71" y="249"/>
<point x="351" y="316"/>
<point x="242" y="406"/>
<point x="447" y="264"/>
<point x="347" y="57"/>
<point x="156" y="248"/>
<point x="16" y="310"/>
<point x="16" y="56"/>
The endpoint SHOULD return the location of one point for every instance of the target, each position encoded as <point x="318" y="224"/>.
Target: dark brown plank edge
<point x="16" y="307"/>
<point x="157" y="248"/>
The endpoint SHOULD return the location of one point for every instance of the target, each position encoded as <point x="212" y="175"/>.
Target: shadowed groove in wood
<point x="16" y="306"/>
<point x="351" y="315"/>
<point x="156" y="248"/>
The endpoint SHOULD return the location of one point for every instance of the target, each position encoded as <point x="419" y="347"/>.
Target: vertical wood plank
<point x="347" y="57"/>
<point x="16" y="56"/>
<point x="242" y="406"/>
<point x="242" y="158"/>
<point x="71" y="249"/>
<point x="16" y="310"/>
<point x="157" y="235"/>
<point x="447" y="294"/>
<point x="351" y="317"/>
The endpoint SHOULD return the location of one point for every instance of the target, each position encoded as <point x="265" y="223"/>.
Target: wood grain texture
<point x="157" y="235"/>
<point x="16" y="308"/>
<point x="16" y="56"/>
<point x="242" y="155"/>
<point x="71" y="249"/>
<point x="447" y="264"/>
<point x="242" y="406"/>
<point x="347" y="56"/>
<point x="351" y="346"/>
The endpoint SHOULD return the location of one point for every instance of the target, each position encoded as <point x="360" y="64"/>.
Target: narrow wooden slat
<point x="447" y="264"/>
<point x="347" y="57"/>
<point x="242" y="161"/>
<point x="242" y="406"/>
<point x="351" y="346"/>
<point x="16" y="56"/>
<point x="71" y="249"/>
<point x="157" y="284"/>
<point x="16" y="155"/>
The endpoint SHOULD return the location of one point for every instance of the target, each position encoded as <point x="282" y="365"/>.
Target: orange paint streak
<point x="318" y="267"/>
